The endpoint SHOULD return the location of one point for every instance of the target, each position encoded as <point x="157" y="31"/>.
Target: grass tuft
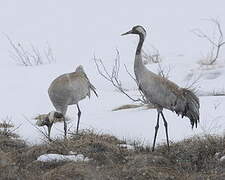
<point x="199" y="157"/>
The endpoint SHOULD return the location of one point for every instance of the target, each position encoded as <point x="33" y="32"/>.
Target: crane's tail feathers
<point x="93" y="89"/>
<point x="191" y="107"/>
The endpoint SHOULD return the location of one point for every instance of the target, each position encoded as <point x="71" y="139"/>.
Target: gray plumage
<point x="162" y="92"/>
<point x="69" y="89"/>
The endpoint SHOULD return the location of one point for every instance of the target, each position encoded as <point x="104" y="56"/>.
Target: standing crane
<point x="69" y="89"/>
<point x="162" y="92"/>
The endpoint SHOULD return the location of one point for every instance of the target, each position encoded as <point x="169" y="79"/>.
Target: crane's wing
<point x="186" y="102"/>
<point x="158" y="90"/>
<point x="166" y="94"/>
<point x="188" y="105"/>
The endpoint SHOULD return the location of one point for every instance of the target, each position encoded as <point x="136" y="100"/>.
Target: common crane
<point x="69" y="89"/>
<point x="161" y="92"/>
<point x="48" y="120"/>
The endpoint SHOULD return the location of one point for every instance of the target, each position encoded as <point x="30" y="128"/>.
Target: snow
<point x="78" y="30"/>
<point x="127" y="146"/>
<point x="222" y="159"/>
<point x="60" y="157"/>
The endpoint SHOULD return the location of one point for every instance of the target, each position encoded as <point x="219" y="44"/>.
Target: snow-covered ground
<point x="60" y="157"/>
<point x="77" y="31"/>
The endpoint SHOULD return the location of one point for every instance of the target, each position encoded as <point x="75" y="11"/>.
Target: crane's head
<point x="48" y="119"/>
<point x="79" y="68"/>
<point x="55" y="116"/>
<point x="136" y="30"/>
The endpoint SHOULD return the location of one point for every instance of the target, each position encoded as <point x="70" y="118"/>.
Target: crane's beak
<point x="49" y="131"/>
<point x="129" y="32"/>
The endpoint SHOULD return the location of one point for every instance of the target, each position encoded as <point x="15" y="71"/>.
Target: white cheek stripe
<point x="51" y="116"/>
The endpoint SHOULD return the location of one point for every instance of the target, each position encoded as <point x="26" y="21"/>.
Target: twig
<point x="113" y="77"/>
<point x="151" y="57"/>
<point x="44" y="133"/>
<point x="29" y="56"/>
<point x="216" y="44"/>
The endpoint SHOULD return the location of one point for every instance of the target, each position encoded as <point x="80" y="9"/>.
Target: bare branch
<point x="113" y="77"/>
<point x="162" y="72"/>
<point x="130" y="73"/>
<point x="140" y="92"/>
<point x="49" y="54"/>
<point x="31" y="56"/>
<point x="192" y="83"/>
<point x="104" y="73"/>
<point x="43" y="132"/>
<point x="216" y="44"/>
<point x="201" y="34"/>
<point x="151" y="57"/>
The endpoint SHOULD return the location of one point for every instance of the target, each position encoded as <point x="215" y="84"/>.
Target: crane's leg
<point x="156" y="131"/>
<point x="65" y="127"/>
<point x="63" y="110"/>
<point x="166" y="128"/>
<point x="78" y="121"/>
<point x="49" y="131"/>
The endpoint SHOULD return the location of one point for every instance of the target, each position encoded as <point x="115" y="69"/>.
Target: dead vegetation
<point x="7" y="128"/>
<point x="30" y="55"/>
<point x="113" y="75"/>
<point x="151" y="57"/>
<point x="131" y="106"/>
<point x="216" y="41"/>
<point x="193" y="158"/>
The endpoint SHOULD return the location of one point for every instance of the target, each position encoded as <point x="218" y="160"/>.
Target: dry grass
<point x="193" y="158"/>
<point x="127" y="106"/>
<point x="132" y="106"/>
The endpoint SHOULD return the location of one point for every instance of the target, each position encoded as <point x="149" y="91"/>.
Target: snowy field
<point x="77" y="31"/>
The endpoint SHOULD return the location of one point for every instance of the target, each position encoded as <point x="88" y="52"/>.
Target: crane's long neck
<point x="140" y="44"/>
<point x="138" y="63"/>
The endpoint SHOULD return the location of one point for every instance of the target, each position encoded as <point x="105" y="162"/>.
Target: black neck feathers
<point x="140" y="43"/>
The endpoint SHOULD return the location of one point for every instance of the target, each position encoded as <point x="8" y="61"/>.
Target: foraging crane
<point x="161" y="92"/>
<point x="69" y="89"/>
<point x="48" y="120"/>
